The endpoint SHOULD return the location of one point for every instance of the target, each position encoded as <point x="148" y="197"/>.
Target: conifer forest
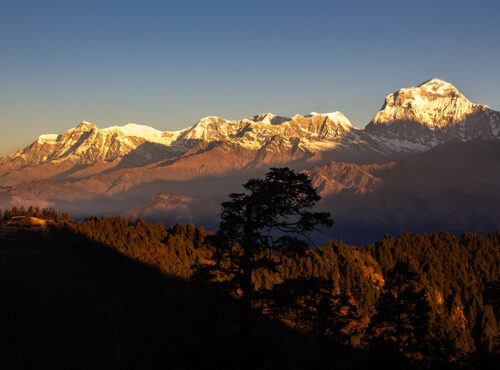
<point x="123" y="293"/>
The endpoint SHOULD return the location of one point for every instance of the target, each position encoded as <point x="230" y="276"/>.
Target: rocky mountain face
<point x="264" y="139"/>
<point x="336" y="177"/>
<point x="87" y="143"/>
<point x="183" y="175"/>
<point x="84" y="144"/>
<point x="411" y="120"/>
<point x="422" y="117"/>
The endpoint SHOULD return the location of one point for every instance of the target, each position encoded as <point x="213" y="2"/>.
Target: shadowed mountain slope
<point x="89" y="170"/>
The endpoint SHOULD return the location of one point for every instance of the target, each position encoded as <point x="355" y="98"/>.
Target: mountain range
<point x="429" y="160"/>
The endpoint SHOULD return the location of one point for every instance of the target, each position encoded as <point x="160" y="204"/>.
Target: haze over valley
<point x="429" y="160"/>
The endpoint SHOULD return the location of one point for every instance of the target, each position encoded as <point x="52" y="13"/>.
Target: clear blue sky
<point x="169" y="63"/>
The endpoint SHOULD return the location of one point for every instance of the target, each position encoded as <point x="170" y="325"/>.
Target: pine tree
<point x="273" y="216"/>
<point x="402" y="321"/>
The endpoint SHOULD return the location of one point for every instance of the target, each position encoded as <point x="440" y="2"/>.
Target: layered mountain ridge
<point x="452" y="187"/>
<point x="411" y="120"/>
<point x="91" y="170"/>
<point x="87" y="144"/>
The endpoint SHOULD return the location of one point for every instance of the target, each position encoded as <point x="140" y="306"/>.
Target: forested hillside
<point x="117" y="293"/>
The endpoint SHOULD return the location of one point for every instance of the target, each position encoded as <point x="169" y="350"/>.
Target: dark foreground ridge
<point x="111" y="293"/>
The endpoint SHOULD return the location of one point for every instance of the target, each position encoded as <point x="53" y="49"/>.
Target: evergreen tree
<point x="402" y="321"/>
<point x="274" y="215"/>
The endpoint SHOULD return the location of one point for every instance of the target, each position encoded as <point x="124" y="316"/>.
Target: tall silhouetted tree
<point x="274" y="214"/>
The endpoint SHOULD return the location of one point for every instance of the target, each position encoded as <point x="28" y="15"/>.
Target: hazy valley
<point x="428" y="161"/>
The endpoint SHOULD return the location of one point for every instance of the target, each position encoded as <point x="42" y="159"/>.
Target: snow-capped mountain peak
<point x="142" y="131"/>
<point x="87" y="143"/>
<point x="423" y="116"/>
<point x="337" y="117"/>
<point x="47" y="138"/>
<point x="84" y="125"/>
<point x="260" y="130"/>
<point x="411" y="120"/>
<point x="269" y="118"/>
<point x="211" y="128"/>
<point x="434" y="103"/>
<point x="439" y="87"/>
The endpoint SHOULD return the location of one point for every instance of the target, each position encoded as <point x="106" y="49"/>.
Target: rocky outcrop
<point x="419" y="118"/>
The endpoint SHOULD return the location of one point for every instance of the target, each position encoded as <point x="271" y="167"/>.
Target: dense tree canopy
<point x="136" y="316"/>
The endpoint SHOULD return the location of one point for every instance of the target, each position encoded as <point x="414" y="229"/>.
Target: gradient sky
<point x="169" y="63"/>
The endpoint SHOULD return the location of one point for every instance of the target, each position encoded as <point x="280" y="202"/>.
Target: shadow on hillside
<point x="196" y="147"/>
<point x="70" y="303"/>
<point x="145" y="154"/>
<point x="63" y="176"/>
